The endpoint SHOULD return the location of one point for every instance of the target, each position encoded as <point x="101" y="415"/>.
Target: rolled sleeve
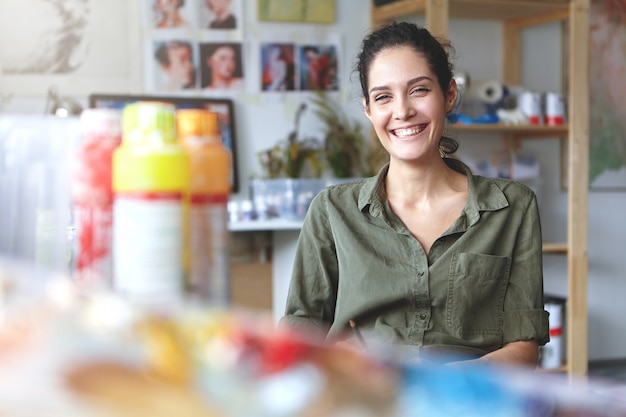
<point x="525" y="317"/>
<point x="313" y="287"/>
<point x="526" y="325"/>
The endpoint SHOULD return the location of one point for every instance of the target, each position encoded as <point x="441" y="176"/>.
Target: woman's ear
<point x="452" y="95"/>
<point x="366" y="108"/>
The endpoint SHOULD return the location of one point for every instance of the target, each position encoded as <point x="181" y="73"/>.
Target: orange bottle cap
<point x="197" y="123"/>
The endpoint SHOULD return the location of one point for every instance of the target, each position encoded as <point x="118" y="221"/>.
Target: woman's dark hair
<point x="180" y="4"/>
<point x="161" y="53"/>
<point x="398" y="34"/>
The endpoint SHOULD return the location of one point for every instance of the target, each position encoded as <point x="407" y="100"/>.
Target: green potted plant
<point x="288" y="158"/>
<point x="347" y="151"/>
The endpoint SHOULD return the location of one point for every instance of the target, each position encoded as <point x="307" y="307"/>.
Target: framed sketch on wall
<point x="70" y="44"/>
<point x="222" y="106"/>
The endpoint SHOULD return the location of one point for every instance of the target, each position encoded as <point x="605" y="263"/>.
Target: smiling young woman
<point x="425" y="257"/>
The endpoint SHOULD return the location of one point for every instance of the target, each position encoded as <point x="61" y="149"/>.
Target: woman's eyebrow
<point x="410" y="82"/>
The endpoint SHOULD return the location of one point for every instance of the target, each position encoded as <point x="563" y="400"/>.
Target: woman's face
<point x="167" y="5"/>
<point x="407" y="107"/>
<point x="181" y="65"/>
<point x="223" y="62"/>
<point x="218" y="6"/>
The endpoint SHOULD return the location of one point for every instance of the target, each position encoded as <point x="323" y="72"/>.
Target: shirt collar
<point x="484" y="194"/>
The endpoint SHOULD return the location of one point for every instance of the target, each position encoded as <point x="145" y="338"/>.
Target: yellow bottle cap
<point x="197" y="124"/>
<point x="149" y="123"/>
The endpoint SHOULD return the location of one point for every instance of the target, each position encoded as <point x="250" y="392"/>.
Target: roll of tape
<point x="462" y="79"/>
<point x="488" y="92"/>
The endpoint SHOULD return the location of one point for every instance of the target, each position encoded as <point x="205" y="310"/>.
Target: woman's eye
<point x="420" y="90"/>
<point x="381" y="97"/>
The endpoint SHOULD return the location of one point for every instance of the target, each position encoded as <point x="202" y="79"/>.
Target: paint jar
<point x="552" y="354"/>
<point x="555" y="109"/>
<point x="209" y="269"/>
<point x="529" y="103"/>
<point x="151" y="175"/>
<point x="92" y="195"/>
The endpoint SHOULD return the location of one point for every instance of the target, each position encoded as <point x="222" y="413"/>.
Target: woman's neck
<point x="422" y="182"/>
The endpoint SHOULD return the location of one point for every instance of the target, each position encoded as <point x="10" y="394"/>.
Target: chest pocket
<point x="476" y="289"/>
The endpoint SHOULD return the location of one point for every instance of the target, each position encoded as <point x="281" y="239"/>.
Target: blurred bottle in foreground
<point x="198" y="132"/>
<point x="92" y="195"/>
<point x="150" y="181"/>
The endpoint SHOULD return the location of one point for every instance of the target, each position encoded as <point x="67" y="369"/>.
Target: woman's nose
<point x="402" y="109"/>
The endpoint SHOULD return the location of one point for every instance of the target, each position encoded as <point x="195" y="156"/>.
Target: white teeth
<point x="407" y="132"/>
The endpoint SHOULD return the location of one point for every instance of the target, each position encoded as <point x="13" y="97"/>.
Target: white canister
<point x="555" y="109"/>
<point x="529" y="103"/>
<point x="552" y="352"/>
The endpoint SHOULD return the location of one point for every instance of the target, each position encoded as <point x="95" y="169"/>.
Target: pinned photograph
<point x="173" y="65"/>
<point x="221" y="66"/>
<point x="318" y="67"/>
<point x="220" y="14"/>
<point x="168" y="14"/>
<point x="278" y="67"/>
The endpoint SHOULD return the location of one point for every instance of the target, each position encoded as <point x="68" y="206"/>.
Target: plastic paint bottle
<point x="199" y="133"/>
<point x="150" y="181"/>
<point x="92" y="195"/>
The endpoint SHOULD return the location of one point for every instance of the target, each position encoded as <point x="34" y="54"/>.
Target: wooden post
<point x="578" y="184"/>
<point x="437" y="17"/>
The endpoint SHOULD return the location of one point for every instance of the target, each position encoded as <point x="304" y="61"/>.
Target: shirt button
<point x="423" y="316"/>
<point x="420" y="273"/>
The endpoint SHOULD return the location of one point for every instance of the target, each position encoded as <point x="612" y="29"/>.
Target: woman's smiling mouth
<point x="402" y="133"/>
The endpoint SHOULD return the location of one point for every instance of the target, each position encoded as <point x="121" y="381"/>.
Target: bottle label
<point x="148" y="245"/>
<point x="93" y="254"/>
<point x="209" y="272"/>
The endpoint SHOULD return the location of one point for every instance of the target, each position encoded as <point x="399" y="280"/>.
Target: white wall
<point x="263" y="119"/>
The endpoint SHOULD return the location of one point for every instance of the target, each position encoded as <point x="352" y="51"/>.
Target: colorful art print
<point x="221" y="66"/>
<point x="318" y="67"/>
<point x="278" y="67"/>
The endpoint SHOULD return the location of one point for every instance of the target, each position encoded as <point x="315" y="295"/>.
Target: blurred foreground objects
<point x="97" y="354"/>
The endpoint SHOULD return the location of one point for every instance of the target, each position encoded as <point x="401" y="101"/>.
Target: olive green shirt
<point x="480" y="287"/>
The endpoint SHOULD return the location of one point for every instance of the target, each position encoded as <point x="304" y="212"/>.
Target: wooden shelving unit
<point x="515" y="16"/>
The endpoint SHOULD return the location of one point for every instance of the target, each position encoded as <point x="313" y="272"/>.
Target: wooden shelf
<point x="527" y="131"/>
<point x="529" y="11"/>
<point x="261" y="225"/>
<point x="555" y="248"/>
<point x="560" y="369"/>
